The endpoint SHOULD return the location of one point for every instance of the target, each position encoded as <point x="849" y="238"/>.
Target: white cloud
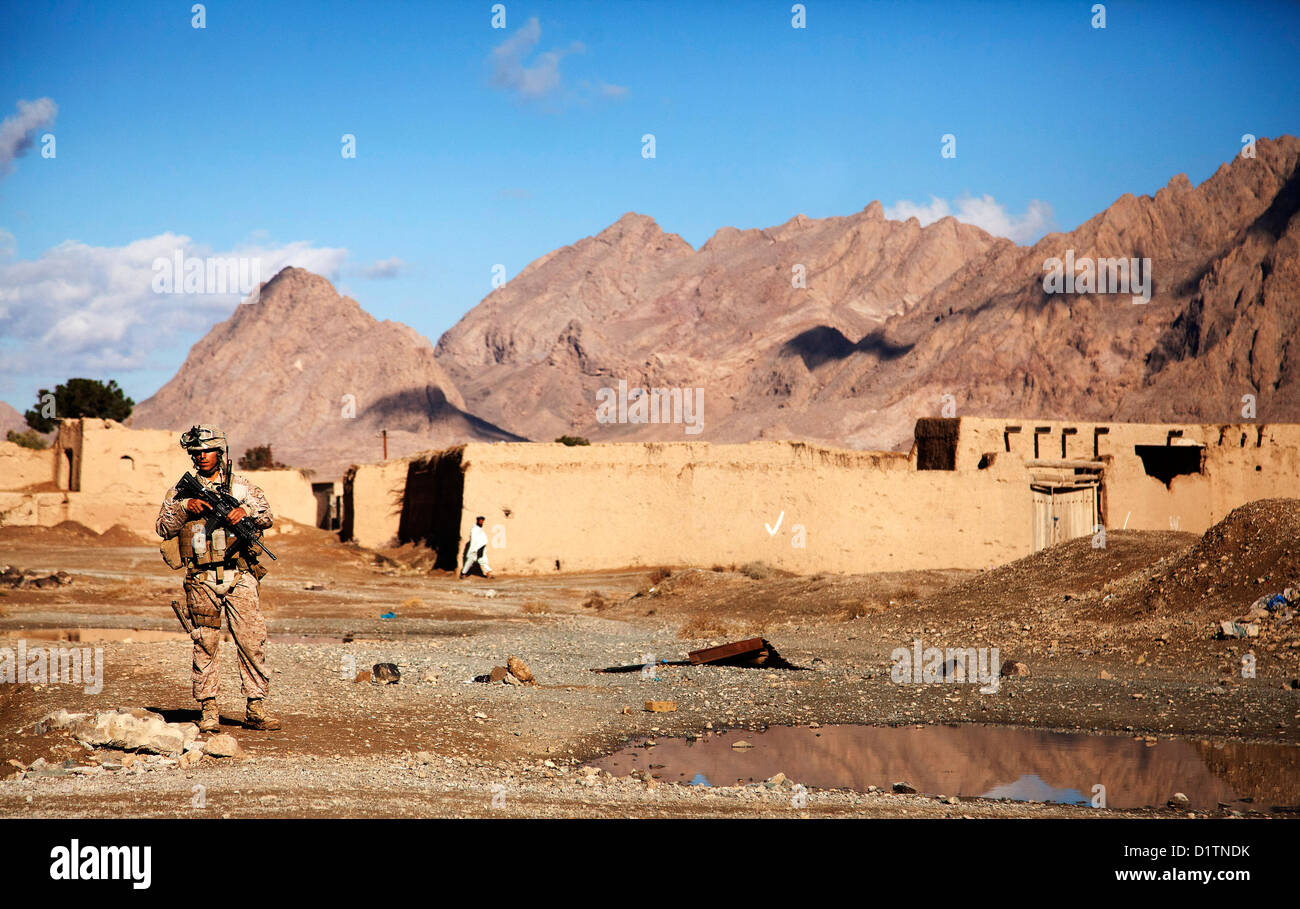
<point x="384" y="268"/>
<point x="538" y="79"/>
<point x="93" y="308"/>
<point x="16" y="130"/>
<point x="982" y="211"/>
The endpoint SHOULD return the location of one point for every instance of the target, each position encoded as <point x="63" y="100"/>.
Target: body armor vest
<point x="209" y="547"/>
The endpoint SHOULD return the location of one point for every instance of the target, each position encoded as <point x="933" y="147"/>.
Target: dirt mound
<point x="117" y="535"/>
<point x="706" y="604"/>
<point x="71" y="531"/>
<point x="1067" y="569"/>
<point x="1254" y="551"/>
<point x="61" y="532"/>
<point x="412" y="557"/>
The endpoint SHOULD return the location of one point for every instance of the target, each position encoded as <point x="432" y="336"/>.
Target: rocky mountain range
<point x="894" y="316"/>
<point x="842" y="330"/>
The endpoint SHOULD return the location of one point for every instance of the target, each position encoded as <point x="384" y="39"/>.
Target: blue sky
<point x="230" y="136"/>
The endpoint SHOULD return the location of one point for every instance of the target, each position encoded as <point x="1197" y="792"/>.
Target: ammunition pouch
<point x="171" y="553"/>
<point x="256" y="569"/>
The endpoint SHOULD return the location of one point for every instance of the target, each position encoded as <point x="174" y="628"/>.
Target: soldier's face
<point x="207" y="461"/>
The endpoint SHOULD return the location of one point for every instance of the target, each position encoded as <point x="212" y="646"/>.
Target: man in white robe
<point x="476" y="551"/>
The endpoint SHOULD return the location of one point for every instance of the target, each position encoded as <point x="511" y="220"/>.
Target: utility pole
<point x="385" y="432"/>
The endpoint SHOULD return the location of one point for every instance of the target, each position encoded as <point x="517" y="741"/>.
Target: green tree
<point x="259" y="458"/>
<point x="28" y="439"/>
<point x="572" y="440"/>
<point x="79" y="398"/>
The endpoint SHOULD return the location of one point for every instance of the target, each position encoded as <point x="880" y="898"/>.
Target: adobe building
<point x="972" y="492"/>
<point x="100" y="473"/>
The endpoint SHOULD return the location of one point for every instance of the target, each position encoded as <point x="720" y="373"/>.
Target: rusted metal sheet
<point x="754" y="652"/>
<point x="753" y="649"/>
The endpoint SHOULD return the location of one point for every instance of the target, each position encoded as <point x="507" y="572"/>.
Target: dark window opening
<point x="1096" y="440"/>
<point x="1039" y="431"/>
<point x="1164" y="462"/>
<point x="1065" y="434"/>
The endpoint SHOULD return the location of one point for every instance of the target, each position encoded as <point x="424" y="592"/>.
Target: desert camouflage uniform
<point x="241" y="605"/>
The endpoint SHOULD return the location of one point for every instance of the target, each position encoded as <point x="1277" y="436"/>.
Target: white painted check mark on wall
<point x="772" y="530"/>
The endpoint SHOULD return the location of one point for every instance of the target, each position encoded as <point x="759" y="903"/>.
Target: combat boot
<point x="211" y="720"/>
<point x="257" y="718"/>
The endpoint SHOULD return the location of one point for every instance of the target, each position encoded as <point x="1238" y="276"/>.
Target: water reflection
<point x="990" y="761"/>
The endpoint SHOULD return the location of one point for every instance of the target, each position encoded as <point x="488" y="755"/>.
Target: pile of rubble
<point x="1270" y="613"/>
<point x="27" y="579"/>
<point x="137" y="732"/>
<point x="514" y="672"/>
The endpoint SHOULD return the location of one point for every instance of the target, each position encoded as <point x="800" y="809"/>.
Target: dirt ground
<point x="1118" y="639"/>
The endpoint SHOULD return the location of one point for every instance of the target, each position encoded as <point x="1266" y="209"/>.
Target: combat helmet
<point x="208" y="437"/>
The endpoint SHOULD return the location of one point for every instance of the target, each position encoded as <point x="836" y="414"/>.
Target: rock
<point x="953" y="800"/>
<point x="904" y="788"/>
<point x="362" y="676"/>
<point x="64" y="720"/>
<point x="1014" y="668"/>
<point x="519" y="669"/>
<point x="223" y="745"/>
<point x="775" y="781"/>
<point x="131" y="729"/>
<point x="1104" y="675"/>
<point x="1238" y="630"/>
<point x="662" y="707"/>
<point x="498" y="673"/>
<point x="430" y="677"/>
<point x="188" y="759"/>
<point x="511" y="680"/>
<point x="742" y="745"/>
<point x="1179" y="800"/>
<point x="386" y="673"/>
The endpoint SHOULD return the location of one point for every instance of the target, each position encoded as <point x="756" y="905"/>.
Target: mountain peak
<point x="317" y="377"/>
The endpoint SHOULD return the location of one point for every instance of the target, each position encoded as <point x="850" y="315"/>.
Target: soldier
<point x="220" y="580"/>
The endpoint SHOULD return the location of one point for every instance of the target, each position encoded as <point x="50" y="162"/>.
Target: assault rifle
<point x="222" y="504"/>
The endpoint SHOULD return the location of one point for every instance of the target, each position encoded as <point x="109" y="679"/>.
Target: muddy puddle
<point x="999" y="762"/>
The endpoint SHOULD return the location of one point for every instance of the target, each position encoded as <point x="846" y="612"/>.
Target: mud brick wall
<point x="694" y="503"/>
<point x="105" y="473"/>
<point x="1241" y="463"/>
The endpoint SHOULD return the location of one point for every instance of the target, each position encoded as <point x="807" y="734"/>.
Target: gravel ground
<point x="448" y="747"/>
